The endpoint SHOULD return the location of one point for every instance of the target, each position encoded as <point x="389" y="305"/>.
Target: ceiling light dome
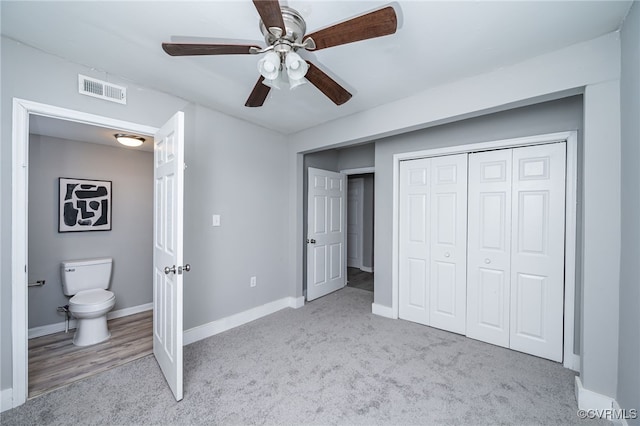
<point x="129" y="140"/>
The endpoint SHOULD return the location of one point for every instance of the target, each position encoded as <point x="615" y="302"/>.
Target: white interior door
<point x="327" y="236"/>
<point x="537" y="250"/>
<point x="167" y="251"/>
<point x="489" y="246"/>
<point x="448" y="243"/>
<point x="414" y="247"/>
<point x="355" y="216"/>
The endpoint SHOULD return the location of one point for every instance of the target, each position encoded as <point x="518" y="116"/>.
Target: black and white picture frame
<point x="84" y="205"/>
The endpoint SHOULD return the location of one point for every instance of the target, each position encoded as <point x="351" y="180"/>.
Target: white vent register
<point x="101" y="89"/>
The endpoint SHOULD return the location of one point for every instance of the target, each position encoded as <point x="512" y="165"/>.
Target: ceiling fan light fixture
<point x="296" y="66"/>
<point x="129" y="140"/>
<point x="269" y="66"/>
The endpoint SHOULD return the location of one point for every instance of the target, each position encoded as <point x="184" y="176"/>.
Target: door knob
<point x="312" y="241"/>
<point x="447" y="254"/>
<point x="487" y="261"/>
<point x="168" y="270"/>
<point x="185" y="268"/>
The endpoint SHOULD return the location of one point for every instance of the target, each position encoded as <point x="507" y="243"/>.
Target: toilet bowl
<point x="90" y="308"/>
<point x="87" y="281"/>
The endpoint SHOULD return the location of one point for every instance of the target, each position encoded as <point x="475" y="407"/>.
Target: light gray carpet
<point x="330" y="362"/>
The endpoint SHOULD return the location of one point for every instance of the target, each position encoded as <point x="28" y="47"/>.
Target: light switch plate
<point x="215" y="220"/>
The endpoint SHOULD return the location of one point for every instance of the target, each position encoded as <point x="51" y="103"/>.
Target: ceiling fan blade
<point x="258" y="94"/>
<point x="188" y="49"/>
<point x="378" y="23"/>
<point x="327" y="85"/>
<point x="270" y="13"/>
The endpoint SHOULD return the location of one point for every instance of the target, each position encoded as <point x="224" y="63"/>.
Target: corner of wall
<point x="6" y="399"/>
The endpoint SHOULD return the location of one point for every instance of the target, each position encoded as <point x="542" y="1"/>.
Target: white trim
<point x="570" y="137"/>
<point x="358" y="171"/>
<point x="590" y="400"/>
<point x="19" y="214"/>
<point x="383" y="311"/>
<point x="296" y="302"/>
<point x="571" y="215"/>
<point x="224" y="324"/>
<point x="618" y="409"/>
<point x="57" y="327"/>
<point x="6" y="399"/>
<point x="572" y="362"/>
<point x="366" y="268"/>
<point x="359" y="181"/>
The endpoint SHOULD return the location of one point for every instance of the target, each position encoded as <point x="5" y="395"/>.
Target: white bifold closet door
<point x="516" y="248"/>
<point x="433" y="210"/>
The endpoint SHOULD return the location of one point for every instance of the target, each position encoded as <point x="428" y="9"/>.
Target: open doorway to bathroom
<point x="60" y="148"/>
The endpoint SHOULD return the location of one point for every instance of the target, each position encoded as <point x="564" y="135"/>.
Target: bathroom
<point x="60" y="149"/>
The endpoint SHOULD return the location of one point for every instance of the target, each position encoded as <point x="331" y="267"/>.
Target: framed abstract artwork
<point x="84" y="205"/>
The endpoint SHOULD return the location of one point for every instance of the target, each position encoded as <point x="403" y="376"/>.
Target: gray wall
<point x="561" y="115"/>
<point x="334" y="160"/>
<point x="239" y="171"/>
<point x="628" y="395"/>
<point x="357" y="157"/>
<point x="235" y="169"/>
<point x="30" y="74"/>
<point x="129" y="242"/>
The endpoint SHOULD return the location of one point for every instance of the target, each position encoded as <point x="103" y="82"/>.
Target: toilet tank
<point x="85" y="274"/>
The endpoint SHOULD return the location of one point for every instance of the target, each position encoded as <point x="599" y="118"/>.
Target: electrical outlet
<point x="253" y="282"/>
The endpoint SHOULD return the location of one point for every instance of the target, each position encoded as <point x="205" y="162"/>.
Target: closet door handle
<point x="447" y="254"/>
<point x="487" y="261"/>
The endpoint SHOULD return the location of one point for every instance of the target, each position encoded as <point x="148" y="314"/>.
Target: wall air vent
<point x="101" y="89"/>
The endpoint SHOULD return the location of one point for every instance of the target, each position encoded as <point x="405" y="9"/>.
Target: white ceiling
<point x="436" y="42"/>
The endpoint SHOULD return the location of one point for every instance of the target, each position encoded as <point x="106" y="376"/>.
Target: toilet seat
<point x="91" y="300"/>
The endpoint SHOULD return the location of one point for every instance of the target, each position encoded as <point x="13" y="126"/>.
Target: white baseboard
<point x="296" y="302"/>
<point x="601" y="406"/>
<point x="616" y="407"/>
<point x="572" y="362"/>
<point x="6" y="399"/>
<point x="223" y="324"/>
<point x="367" y="268"/>
<point x="590" y="400"/>
<point x="57" y="327"/>
<point x="383" y="311"/>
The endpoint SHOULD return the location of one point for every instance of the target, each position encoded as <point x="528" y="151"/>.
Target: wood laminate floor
<point x="55" y="362"/>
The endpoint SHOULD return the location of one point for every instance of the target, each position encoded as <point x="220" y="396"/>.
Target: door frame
<point x="358" y="171"/>
<point x="359" y="181"/>
<point x="570" y="360"/>
<point x="22" y="109"/>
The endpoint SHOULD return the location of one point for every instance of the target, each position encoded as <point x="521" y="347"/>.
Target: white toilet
<point x="87" y="281"/>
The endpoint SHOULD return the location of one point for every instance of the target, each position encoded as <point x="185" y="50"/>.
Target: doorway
<point x="360" y="231"/>
<point x="24" y="111"/>
<point x="60" y="148"/>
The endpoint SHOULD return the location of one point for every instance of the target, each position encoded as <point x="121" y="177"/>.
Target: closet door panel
<point x="414" y="240"/>
<point x="448" y="242"/>
<point x="537" y="250"/>
<point x="489" y="246"/>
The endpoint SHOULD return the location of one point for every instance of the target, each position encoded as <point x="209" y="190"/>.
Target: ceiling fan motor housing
<point x="294" y="31"/>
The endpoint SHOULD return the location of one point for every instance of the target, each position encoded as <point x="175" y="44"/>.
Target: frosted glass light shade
<point x="269" y="66"/>
<point x="129" y="140"/>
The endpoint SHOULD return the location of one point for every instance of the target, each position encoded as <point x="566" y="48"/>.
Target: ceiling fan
<point x="284" y="32"/>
